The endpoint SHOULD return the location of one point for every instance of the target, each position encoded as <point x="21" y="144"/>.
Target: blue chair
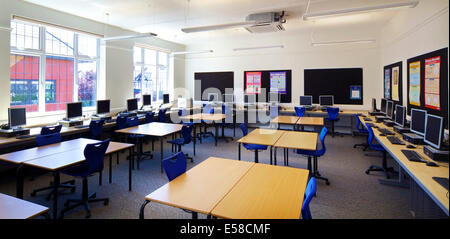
<point x="51" y="129"/>
<point x="95" y="127"/>
<point x="137" y="139"/>
<point x="227" y="110"/>
<point x="315" y="154"/>
<point x="333" y="114"/>
<point x="207" y="109"/>
<point x="186" y="132"/>
<point x="121" y="123"/>
<point x="149" y="116"/>
<point x="362" y="131"/>
<point x="300" y="111"/>
<point x="43" y="140"/>
<point x="252" y="147"/>
<point x="310" y="192"/>
<point x="162" y="115"/>
<point x="94" y="155"/>
<point x="377" y="147"/>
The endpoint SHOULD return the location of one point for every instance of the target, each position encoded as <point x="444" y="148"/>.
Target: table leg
<point x="130" y="167"/>
<point x="287" y="157"/>
<point x="239" y="150"/>
<point x="100" y="176"/>
<point x="110" y="168"/>
<point x="195" y="137"/>
<point x="161" y="153"/>
<point x="271" y="155"/>
<point x="256" y="156"/>
<point x="215" y="136"/>
<point x="19" y="181"/>
<point x="194" y="215"/>
<point x="56" y="179"/>
<point x="117" y="158"/>
<point x="275" y="157"/>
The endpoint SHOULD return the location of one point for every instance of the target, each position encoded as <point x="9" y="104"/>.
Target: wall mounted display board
<point x="273" y="81"/>
<point x="393" y="83"/>
<point x="428" y="83"/>
<point x="338" y="82"/>
<point x="219" y="80"/>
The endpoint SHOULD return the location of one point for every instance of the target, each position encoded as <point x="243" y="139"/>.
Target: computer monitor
<point x="374" y="105"/>
<point x="74" y="110"/>
<point x="383" y="105"/>
<point x="146" y="99"/>
<point x="433" y="130"/>
<point x="400" y="115"/>
<point x="17" y="117"/>
<point x="228" y="98"/>
<point x="418" y="118"/>
<point x="250" y="98"/>
<point x="132" y="105"/>
<point x="306" y="100"/>
<point x="103" y="106"/>
<point x="166" y="99"/>
<point x="390" y="109"/>
<point x="326" y="100"/>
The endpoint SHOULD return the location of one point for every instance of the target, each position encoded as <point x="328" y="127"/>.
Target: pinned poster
<point x="355" y="92"/>
<point x="387" y="84"/>
<point x="253" y="82"/>
<point x="395" y="83"/>
<point x="278" y="82"/>
<point x="432" y="83"/>
<point x="414" y="83"/>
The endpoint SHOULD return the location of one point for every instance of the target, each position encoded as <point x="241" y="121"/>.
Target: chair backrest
<point x="46" y="139"/>
<point x="186" y="131"/>
<point x="94" y="154"/>
<point x="162" y="115"/>
<point x="309" y="194"/>
<point x="51" y="129"/>
<point x="371" y="136"/>
<point x="149" y="117"/>
<point x="121" y="122"/>
<point x="323" y="134"/>
<point x="208" y="109"/>
<point x="358" y="124"/>
<point x="244" y="129"/>
<point x="95" y="127"/>
<point x="300" y="111"/>
<point x="132" y="121"/>
<point x="174" y="165"/>
<point x="333" y="112"/>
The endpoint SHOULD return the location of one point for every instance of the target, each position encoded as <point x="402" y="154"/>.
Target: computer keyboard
<point x="442" y="181"/>
<point x="81" y="126"/>
<point x="367" y="119"/>
<point x="372" y="125"/>
<point x="413" y="156"/>
<point x="395" y="140"/>
<point x="386" y="131"/>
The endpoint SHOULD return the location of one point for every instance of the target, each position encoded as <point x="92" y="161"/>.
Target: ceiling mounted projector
<point x="254" y="23"/>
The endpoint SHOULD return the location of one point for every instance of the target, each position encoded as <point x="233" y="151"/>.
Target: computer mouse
<point x="382" y="134"/>
<point x="410" y="146"/>
<point x="432" y="164"/>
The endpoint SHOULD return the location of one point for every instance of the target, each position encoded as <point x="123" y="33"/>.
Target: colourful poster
<point x="278" y="82"/>
<point x="414" y="83"/>
<point x="387" y="83"/>
<point x="395" y="83"/>
<point x="253" y="83"/>
<point x="432" y="84"/>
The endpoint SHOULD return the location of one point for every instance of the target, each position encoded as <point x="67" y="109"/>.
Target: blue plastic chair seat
<point x="179" y="141"/>
<point x="329" y="119"/>
<point x="81" y="170"/>
<point x="254" y="146"/>
<point x="306" y="152"/>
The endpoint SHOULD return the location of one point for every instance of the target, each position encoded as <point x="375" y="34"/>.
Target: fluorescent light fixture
<point x="313" y="16"/>
<point x="329" y="43"/>
<point x="126" y="37"/>
<point x="217" y="27"/>
<point x="191" y="52"/>
<point x="258" y="47"/>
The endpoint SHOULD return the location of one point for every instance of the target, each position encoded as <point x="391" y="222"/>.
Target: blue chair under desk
<point x="95" y="128"/>
<point x="137" y="139"/>
<point x="162" y="115"/>
<point x="300" y="111"/>
<point x="310" y="192"/>
<point x="333" y="117"/>
<point x="186" y="132"/>
<point x="252" y="147"/>
<point x="378" y="147"/>
<point x="51" y="129"/>
<point x="362" y="131"/>
<point x="207" y="109"/>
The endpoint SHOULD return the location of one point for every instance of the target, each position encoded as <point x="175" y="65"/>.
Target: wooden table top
<point x="265" y="192"/>
<point x="205" y="117"/>
<point x="285" y="119"/>
<point x="262" y="137"/>
<point x="153" y="129"/>
<point x="421" y="173"/>
<point x="311" y="121"/>
<point x="14" y="208"/>
<point x="298" y="140"/>
<point x="203" y="186"/>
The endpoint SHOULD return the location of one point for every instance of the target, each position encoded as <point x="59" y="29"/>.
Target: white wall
<point x="116" y="71"/>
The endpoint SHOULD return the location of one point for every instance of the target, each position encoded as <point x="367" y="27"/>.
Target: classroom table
<point x="200" y="188"/>
<point x="266" y="137"/>
<point x="310" y="121"/>
<point x="295" y="140"/>
<point x="207" y="118"/>
<point x="284" y="119"/>
<point x="265" y="192"/>
<point x="15" y="208"/>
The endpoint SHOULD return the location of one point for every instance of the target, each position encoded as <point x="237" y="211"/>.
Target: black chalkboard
<point x="219" y="80"/>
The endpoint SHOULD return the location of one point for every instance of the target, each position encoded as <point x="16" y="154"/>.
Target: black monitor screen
<point x="306" y="100"/>
<point x="433" y="130"/>
<point x="103" y="106"/>
<point x="74" y="110"/>
<point x="326" y="100"/>
<point x="383" y="105"/>
<point x="147" y="99"/>
<point x="166" y="99"/>
<point x="374" y="104"/>
<point x="132" y="104"/>
<point x="390" y="109"/>
<point x="418" y="121"/>
<point x="17" y="116"/>
<point x="400" y="114"/>
<point x="250" y="98"/>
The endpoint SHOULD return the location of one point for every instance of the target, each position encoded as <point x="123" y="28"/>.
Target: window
<point x="61" y="61"/>
<point x="150" y="73"/>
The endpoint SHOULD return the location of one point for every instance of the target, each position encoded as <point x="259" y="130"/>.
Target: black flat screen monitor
<point x="146" y="99"/>
<point x="374" y="105"/>
<point x="306" y="100"/>
<point x="74" y="110"/>
<point x="418" y="118"/>
<point x="326" y="100"/>
<point x="132" y="105"/>
<point x="433" y="130"/>
<point x="166" y="99"/>
<point x="383" y="106"/>
<point x="390" y="109"/>
<point x="103" y="106"/>
<point x="17" y="116"/>
<point x="400" y="115"/>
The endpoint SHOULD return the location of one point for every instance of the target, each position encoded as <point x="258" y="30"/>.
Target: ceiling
<point x="167" y="17"/>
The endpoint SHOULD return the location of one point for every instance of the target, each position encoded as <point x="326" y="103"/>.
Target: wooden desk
<point x="202" y="187"/>
<point x="206" y="118"/>
<point x="14" y="208"/>
<point x="261" y="137"/>
<point x="285" y="119"/>
<point x="310" y="121"/>
<point x="419" y="172"/>
<point x="265" y="192"/>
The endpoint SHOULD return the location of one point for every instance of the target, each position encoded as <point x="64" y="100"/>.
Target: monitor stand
<point x="70" y="122"/>
<point x="101" y="117"/>
<point x="13" y="132"/>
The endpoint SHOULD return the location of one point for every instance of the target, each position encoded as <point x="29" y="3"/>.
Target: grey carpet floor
<point x="351" y="195"/>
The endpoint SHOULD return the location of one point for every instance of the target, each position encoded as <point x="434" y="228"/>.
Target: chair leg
<point x="384" y="168"/>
